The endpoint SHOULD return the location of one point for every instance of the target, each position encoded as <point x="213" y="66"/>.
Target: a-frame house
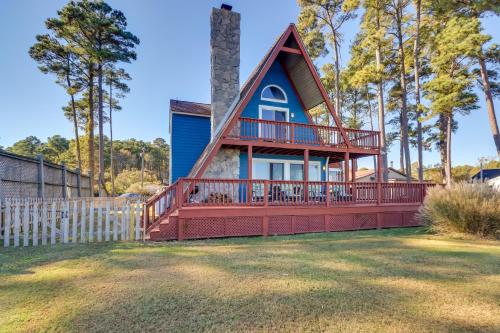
<point x="253" y="162"/>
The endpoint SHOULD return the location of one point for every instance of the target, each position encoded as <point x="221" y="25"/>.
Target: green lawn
<point x="399" y="280"/>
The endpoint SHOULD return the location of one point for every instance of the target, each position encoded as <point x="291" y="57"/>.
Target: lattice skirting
<point x="233" y="226"/>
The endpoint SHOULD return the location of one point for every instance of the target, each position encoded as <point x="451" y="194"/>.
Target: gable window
<point x="273" y="93"/>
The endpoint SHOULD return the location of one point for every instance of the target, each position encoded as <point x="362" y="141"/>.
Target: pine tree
<point x="451" y="88"/>
<point x="369" y="57"/>
<point x="114" y="78"/>
<point x="319" y="22"/>
<point x="58" y="59"/>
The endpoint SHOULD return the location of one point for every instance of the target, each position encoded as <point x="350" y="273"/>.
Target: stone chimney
<point x="225" y="61"/>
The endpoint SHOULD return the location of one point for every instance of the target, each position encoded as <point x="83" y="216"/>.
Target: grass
<point x="398" y="280"/>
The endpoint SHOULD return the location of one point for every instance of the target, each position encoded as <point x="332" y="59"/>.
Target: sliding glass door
<point x="274" y="132"/>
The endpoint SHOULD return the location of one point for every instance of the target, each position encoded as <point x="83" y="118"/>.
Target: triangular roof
<point x="291" y="52"/>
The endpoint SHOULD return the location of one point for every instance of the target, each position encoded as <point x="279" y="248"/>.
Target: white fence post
<point x="138" y="221"/>
<point x="115" y="222"/>
<point x="99" y="221"/>
<point x="91" y="221"/>
<point x="6" y="233"/>
<point x="35" y="223"/>
<point x="17" y="223"/>
<point x="66" y="221"/>
<point x="107" y="220"/>
<point x="82" y="223"/>
<point x="53" y="221"/>
<point x="44" y="223"/>
<point x="26" y="223"/>
<point x="74" y="228"/>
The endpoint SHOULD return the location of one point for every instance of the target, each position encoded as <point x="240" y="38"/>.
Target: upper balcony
<point x="292" y="136"/>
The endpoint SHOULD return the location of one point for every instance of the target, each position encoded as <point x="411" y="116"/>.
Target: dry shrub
<point x="466" y="208"/>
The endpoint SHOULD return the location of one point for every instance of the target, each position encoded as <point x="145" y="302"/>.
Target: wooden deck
<point x="205" y="208"/>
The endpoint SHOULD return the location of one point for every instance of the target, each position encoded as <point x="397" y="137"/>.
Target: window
<point x="284" y="169"/>
<point x="296" y="171"/>
<point x="273" y="93"/>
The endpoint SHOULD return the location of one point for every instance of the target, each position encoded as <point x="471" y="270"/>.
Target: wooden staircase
<point x="161" y="214"/>
<point x="165" y="228"/>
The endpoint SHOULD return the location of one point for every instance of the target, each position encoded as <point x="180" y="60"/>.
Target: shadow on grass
<point x="304" y="282"/>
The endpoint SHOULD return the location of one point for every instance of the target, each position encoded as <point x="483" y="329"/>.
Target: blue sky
<point x="173" y="62"/>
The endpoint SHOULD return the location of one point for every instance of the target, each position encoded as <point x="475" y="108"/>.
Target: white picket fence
<point x="33" y="222"/>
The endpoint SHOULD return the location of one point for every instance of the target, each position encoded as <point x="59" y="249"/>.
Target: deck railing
<point x="250" y="129"/>
<point x="190" y="192"/>
<point x="243" y="192"/>
<point x="161" y="204"/>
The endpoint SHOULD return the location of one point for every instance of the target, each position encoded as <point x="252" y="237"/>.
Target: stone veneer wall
<point x="225" y="62"/>
<point x="225" y="165"/>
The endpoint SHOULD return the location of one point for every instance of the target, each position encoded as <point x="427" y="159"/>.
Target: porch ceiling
<point x="335" y="156"/>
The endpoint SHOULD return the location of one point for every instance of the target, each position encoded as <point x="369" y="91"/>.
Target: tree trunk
<point x="489" y="103"/>
<point x="381" y="112"/>
<point x="404" y="109"/>
<point x="448" y="149"/>
<point x="442" y="145"/>
<point x="370" y="113"/>
<point x="111" y="137"/>
<point x="401" y="149"/>
<point x="91" y="129"/>
<point x="416" y="62"/>
<point x="338" y="103"/>
<point x="77" y="136"/>
<point x="75" y="121"/>
<point x="102" y="186"/>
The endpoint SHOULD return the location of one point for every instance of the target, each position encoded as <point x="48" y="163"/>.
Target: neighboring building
<point x="253" y="161"/>
<point x="393" y="176"/>
<point x="489" y="176"/>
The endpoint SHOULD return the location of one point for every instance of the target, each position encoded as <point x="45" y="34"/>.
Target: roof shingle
<point x="199" y="109"/>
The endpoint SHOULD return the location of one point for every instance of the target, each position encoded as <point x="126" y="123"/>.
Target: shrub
<point x="466" y="208"/>
<point x="148" y="189"/>
<point x="126" y="178"/>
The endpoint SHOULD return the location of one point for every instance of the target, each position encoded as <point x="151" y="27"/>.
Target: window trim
<point x="273" y="99"/>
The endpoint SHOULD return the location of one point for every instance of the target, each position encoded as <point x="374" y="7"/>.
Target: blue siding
<point x="190" y="135"/>
<point x="276" y="76"/>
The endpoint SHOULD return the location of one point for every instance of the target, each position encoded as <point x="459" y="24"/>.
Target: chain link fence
<point x="26" y="177"/>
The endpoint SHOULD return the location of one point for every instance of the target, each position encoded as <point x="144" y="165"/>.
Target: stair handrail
<point x="170" y="203"/>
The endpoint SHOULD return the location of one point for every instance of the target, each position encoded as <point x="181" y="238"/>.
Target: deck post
<point x="346" y="172"/>
<point x="353" y="177"/>
<point x="179" y="193"/>
<point x="180" y="229"/>
<point x="265" y="226"/>
<point x="249" y="167"/>
<point x="306" y="175"/>
<point x="379" y="179"/>
<point x="266" y="192"/>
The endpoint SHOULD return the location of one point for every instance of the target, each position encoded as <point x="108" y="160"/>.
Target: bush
<point x="148" y="190"/>
<point x="466" y="208"/>
<point x="126" y="178"/>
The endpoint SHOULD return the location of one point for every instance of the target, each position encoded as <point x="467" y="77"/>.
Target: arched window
<point x="273" y="93"/>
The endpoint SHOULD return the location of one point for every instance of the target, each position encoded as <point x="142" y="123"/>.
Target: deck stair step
<point x="166" y="229"/>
